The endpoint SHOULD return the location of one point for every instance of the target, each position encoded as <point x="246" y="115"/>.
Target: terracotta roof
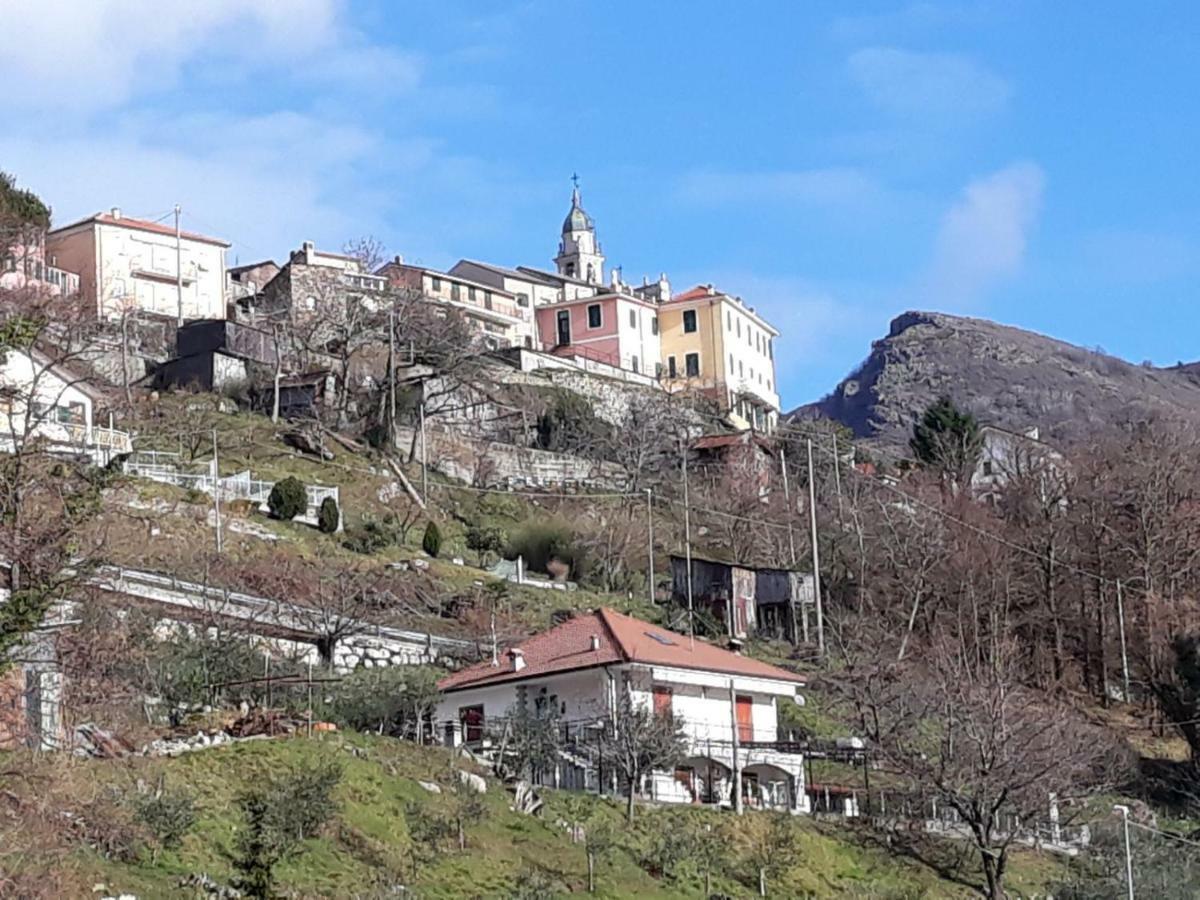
<point x="143" y="225"/>
<point x="621" y="639"/>
<point x="698" y="292"/>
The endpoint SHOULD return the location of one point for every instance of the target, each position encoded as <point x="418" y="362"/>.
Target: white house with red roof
<point x="127" y="264"/>
<point x="577" y="672"/>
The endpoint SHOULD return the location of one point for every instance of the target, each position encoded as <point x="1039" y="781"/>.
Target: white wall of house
<point x="62" y="411"/>
<point x="701" y="700"/>
<point x="638" y="336"/>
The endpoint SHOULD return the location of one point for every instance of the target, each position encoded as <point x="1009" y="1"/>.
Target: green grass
<point x="364" y="851"/>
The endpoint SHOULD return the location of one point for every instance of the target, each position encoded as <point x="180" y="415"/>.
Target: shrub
<point x="390" y="701"/>
<point x="431" y="543"/>
<point x="168" y="814"/>
<point x="279" y="815"/>
<point x="327" y="516"/>
<point x="288" y="499"/>
<point x="486" y="540"/>
<point x="541" y="541"/>
<point x="570" y="425"/>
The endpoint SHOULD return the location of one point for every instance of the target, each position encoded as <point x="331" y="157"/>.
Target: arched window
<point x="591" y="272"/>
<point x="570" y="270"/>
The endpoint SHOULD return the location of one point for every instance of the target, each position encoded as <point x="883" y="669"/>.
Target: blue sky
<point x="833" y="163"/>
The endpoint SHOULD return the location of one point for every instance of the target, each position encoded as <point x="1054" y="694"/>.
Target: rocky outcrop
<point x="1006" y="376"/>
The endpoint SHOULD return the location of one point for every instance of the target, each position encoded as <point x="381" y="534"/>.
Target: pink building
<point x="24" y="264"/>
<point x="616" y="329"/>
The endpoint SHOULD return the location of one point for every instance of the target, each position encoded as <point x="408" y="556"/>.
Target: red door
<point x="472" y="722"/>
<point x="745" y="718"/>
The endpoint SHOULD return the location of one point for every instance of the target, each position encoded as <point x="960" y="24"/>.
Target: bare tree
<point x="640" y="741"/>
<point x="966" y="734"/>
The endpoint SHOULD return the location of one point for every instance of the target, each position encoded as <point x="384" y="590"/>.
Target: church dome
<point x="577" y="219"/>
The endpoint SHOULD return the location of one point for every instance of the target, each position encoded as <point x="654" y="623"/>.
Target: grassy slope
<point x="363" y="853"/>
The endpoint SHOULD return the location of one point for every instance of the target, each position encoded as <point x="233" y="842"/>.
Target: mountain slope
<point x="1006" y="376"/>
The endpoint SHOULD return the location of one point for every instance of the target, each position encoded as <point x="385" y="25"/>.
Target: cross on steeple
<point x="575" y="179"/>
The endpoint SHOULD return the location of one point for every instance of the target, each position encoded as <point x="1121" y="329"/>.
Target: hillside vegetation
<point x="69" y="824"/>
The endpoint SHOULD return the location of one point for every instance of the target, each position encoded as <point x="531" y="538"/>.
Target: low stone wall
<point x="484" y="463"/>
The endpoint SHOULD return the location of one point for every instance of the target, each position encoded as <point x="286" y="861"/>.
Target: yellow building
<point x="714" y="344"/>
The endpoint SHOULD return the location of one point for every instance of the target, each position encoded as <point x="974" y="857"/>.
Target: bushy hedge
<point x="327" y="516"/>
<point x="542" y="540"/>
<point x="431" y="543"/>
<point x="288" y="499"/>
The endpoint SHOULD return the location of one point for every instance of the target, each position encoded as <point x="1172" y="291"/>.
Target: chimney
<point x="595" y="642"/>
<point x="115" y="212"/>
<point x="399" y="260"/>
<point x="518" y="659"/>
<point x="709" y="287"/>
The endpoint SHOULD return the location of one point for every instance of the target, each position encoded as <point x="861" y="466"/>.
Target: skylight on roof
<point x="658" y="637"/>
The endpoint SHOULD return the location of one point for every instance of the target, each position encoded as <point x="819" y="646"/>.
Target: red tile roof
<point x="696" y="293"/>
<point x="144" y="225"/>
<point x="621" y="639"/>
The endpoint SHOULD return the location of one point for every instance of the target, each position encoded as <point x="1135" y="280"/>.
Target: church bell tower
<point x="579" y="253"/>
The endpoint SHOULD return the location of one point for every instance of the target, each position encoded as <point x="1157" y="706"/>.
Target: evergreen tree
<point x="946" y="438"/>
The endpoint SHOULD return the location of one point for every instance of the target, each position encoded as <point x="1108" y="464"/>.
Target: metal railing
<point x="164" y="468"/>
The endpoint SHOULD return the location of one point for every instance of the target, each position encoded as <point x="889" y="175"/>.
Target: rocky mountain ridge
<point x="1006" y="376"/>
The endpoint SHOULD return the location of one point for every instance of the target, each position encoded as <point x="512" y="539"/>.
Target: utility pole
<point x="392" y="371"/>
<point x="650" y="543"/>
<point x="737" y="769"/>
<point x="816" y="553"/>
<point x="1124" y="811"/>
<point x="837" y="476"/>
<point x="424" y="454"/>
<point x="687" y="543"/>
<point x="787" y="499"/>
<point x="216" y="490"/>
<point x="178" y="267"/>
<point x="1124" y="652"/>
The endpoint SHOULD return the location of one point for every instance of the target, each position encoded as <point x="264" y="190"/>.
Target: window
<point x="635" y="364"/>
<point x="487" y="299"/>
<point x="658" y="370"/>
<point x="770" y="349"/>
<point x="749" y="339"/>
<point x="594" y="315"/>
<point x="741" y="370"/>
<point x="671" y="370"/>
<point x="436" y="285"/>
<point x="654" y="324"/>
<point x="570" y="270"/>
<point x="522" y="299"/>
<point x="689" y="321"/>
<point x="471" y="294"/>
<point x="728" y="320"/>
<point x="987" y="467"/>
<point x="662" y="700"/>
<point x="739" y="327"/>
<point x="591" y="272"/>
<point x="633" y="318"/>
<point x="310" y="303"/>
<point x="455" y="292"/>
<point x="732" y="364"/>
<point x="691" y="364"/>
<point x="528" y="342"/>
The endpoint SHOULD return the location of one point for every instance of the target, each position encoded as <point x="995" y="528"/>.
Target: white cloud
<point x="982" y="238"/>
<point x="927" y="85"/>
<point x="835" y="186"/>
<point x="90" y="55"/>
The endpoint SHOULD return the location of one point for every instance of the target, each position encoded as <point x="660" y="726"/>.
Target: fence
<point x="164" y="467"/>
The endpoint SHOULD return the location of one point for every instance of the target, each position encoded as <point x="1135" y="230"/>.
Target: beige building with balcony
<point x="127" y="264"/>
<point x="494" y="311"/>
